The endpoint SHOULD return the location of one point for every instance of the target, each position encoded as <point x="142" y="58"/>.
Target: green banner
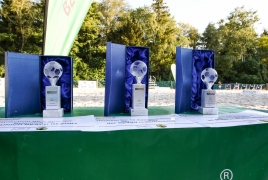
<point x="64" y="20"/>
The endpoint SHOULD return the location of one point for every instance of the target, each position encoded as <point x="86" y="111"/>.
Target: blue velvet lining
<point x="201" y="59"/>
<point x="133" y="54"/>
<point x="65" y="81"/>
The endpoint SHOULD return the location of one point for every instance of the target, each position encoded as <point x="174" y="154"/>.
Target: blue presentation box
<point x="25" y="83"/>
<point x="118" y="80"/>
<point x="189" y="65"/>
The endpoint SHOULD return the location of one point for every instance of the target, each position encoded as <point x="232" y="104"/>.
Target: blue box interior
<point x="189" y="65"/>
<point x="118" y="80"/>
<point x="65" y="81"/>
<point x="133" y="54"/>
<point x="25" y="83"/>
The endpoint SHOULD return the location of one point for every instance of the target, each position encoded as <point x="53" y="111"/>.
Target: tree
<point x="152" y="27"/>
<point x="233" y="41"/>
<point x="88" y="51"/>
<point x="262" y="48"/>
<point x="265" y="32"/>
<point x="21" y="27"/>
<point x="111" y="11"/>
<point x="135" y="28"/>
<point x="251" y="72"/>
<point x="238" y="34"/>
<point x="209" y="37"/>
<point x="191" y="34"/>
<point x="163" y="41"/>
<point x="262" y="54"/>
<point x="20" y="18"/>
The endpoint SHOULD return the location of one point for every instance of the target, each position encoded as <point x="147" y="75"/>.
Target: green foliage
<point x="251" y="72"/>
<point x="163" y="41"/>
<point x="191" y="34"/>
<point x="130" y="32"/>
<point x="112" y="11"/>
<point x="87" y="51"/>
<point x="149" y="26"/>
<point x="209" y="38"/>
<point x="222" y="62"/>
<point x="21" y="23"/>
<point x="262" y="48"/>
<point x="241" y="56"/>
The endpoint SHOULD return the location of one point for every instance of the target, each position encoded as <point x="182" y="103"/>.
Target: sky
<point x="199" y="13"/>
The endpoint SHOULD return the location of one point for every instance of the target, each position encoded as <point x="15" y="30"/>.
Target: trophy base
<point x="53" y="97"/>
<point x="208" y="111"/>
<point x="208" y="98"/>
<point x="53" y="113"/>
<point x="138" y="96"/>
<point x="139" y="112"/>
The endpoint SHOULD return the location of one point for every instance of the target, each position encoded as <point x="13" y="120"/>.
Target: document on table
<point x="49" y="124"/>
<point x="247" y="117"/>
<point x="92" y="124"/>
<point x="144" y="122"/>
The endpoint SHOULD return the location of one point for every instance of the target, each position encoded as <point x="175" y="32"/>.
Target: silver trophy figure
<point x="138" y="69"/>
<point x="209" y="76"/>
<point x="208" y="96"/>
<point x="53" y="71"/>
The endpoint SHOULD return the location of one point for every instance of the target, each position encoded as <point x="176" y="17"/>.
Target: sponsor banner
<point x="63" y="22"/>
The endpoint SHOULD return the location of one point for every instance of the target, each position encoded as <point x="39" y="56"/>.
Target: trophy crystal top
<point x="53" y="71"/>
<point x="138" y="69"/>
<point x="209" y="77"/>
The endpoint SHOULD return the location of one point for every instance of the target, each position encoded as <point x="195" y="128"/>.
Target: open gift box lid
<point x="189" y="65"/>
<point x="118" y="79"/>
<point x="25" y="83"/>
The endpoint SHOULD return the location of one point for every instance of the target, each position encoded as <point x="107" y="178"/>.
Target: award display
<point x="53" y="72"/>
<point x="138" y="69"/>
<point x="208" y="96"/>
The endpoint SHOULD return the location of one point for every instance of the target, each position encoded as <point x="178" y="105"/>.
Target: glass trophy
<point x="53" y="71"/>
<point x="138" y="69"/>
<point x="208" y="96"/>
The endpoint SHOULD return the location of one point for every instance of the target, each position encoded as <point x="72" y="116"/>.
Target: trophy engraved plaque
<point x="138" y="69"/>
<point x="53" y="71"/>
<point x="208" y="96"/>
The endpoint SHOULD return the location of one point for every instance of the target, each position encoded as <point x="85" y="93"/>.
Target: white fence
<point x="2" y="83"/>
<point x="87" y="84"/>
